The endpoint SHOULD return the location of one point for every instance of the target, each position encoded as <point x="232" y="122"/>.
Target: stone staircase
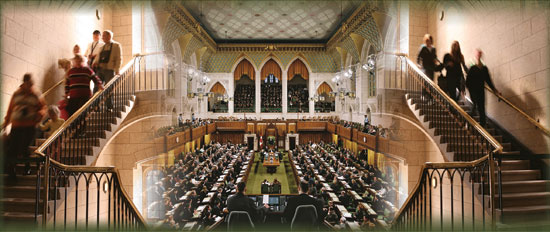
<point x="19" y="198"/>
<point x="525" y="194"/>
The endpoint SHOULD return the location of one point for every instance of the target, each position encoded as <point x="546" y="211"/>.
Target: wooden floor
<point x="284" y="175"/>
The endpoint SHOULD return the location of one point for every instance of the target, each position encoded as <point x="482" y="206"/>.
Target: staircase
<point x="19" y="199"/>
<point x="525" y="195"/>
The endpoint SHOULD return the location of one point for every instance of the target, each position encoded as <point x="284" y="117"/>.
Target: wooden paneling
<point x="281" y="129"/>
<point x="314" y="137"/>
<point x="224" y="137"/>
<point x="231" y="126"/>
<point x="311" y="126"/>
<point x="383" y="145"/>
<point x="292" y="128"/>
<point x="250" y="128"/>
<point x="211" y="128"/>
<point x="344" y="132"/>
<point x="331" y="128"/>
<point x="365" y="140"/>
<point x="198" y="132"/>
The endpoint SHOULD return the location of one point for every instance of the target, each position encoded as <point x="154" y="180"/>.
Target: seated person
<point x="240" y="202"/>
<point x="303" y="199"/>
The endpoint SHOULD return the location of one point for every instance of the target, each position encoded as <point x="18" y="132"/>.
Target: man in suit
<point x="240" y="202"/>
<point x="478" y="76"/>
<point x="303" y="199"/>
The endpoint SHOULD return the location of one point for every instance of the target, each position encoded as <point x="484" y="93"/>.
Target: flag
<point x="261" y="142"/>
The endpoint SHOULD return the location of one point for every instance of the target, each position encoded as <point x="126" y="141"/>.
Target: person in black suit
<point x="477" y="76"/>
<point x="240" y="202"/>
<point x="303" y="199"/>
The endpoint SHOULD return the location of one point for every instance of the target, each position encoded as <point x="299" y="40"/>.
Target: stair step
<point x="515" y="165"/>
<point x="29" y="180"/>
<point x="515" y="175"/>
<point x="20" y="217"/>
<point x="525" y="214"/>
<point x="22" y="205"/>
<point x="522" y="199"/>
<point x="524" y="186"/>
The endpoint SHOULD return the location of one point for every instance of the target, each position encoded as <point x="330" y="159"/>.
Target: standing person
<point x="94" y="48"/>
<point x="109" y="62"/>
<point x="453" y="63"/>
<point x="77" y="85"/>
<point x="25" y="110"/>
<point x="477" y="76"/>
<point x="180" y="120"/>
<point x="427" y="59"/>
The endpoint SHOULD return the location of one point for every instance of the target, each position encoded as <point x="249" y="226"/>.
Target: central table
<point x="271" y="162"/>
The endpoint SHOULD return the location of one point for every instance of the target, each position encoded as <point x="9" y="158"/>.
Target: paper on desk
<point x="266" y="199"/>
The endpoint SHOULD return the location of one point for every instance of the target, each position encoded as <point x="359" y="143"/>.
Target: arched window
<point x="271" y="88"/>
<point x="297" y="91"/>
<point x="245" y="90"/>
<point x="217" y="99"/>
<point x="325" y="101"/>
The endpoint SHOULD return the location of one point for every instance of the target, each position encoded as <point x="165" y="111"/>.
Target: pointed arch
<point x="324" y="88"/>
<point x="298" y="66"/>
<point x="244" y="67"/>
<point x="218" y="88"/>
<point x="271" y="67"/>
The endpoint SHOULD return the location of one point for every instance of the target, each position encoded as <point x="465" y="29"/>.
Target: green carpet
<point x="284" y="175"/>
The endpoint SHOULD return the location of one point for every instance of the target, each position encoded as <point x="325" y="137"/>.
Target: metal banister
<point x="536" y="123"/>
<point x="465" y="131"/>
<point x="56" y="174"/>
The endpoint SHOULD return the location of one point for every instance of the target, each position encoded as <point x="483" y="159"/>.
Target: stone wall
<point x="514" y="36"/>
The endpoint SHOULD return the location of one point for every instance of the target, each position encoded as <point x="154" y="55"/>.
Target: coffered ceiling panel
<point x="230" y="21"/>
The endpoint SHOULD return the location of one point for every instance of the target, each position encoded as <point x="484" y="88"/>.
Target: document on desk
<point x="266" y="199"/>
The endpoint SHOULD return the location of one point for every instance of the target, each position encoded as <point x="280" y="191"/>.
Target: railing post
<point x="492" y="188"/>
<point x="46" y="190"/>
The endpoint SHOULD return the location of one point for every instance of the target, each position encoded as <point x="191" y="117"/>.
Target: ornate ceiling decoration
<point x="229" y="21"/>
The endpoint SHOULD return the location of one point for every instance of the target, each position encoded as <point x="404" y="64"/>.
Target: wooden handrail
<point x="47" y="92"/>
<point x="464" y="114"/>
<point x="78" y="168"/>
<point x="525" y="115"/>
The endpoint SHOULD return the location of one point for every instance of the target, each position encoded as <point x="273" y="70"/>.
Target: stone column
<point x="311" y="92"/>
<point x="257" y="80"/>
<point x="285" y="93"/>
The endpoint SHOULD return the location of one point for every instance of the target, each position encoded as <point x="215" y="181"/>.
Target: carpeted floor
<point x="284" y="175"/>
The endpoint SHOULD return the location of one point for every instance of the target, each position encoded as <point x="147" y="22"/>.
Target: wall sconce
<point x="105" y="187"/>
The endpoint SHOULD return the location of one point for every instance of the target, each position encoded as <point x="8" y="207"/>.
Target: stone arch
<point x="298" y="57"/>
<point x="219" y="84"/>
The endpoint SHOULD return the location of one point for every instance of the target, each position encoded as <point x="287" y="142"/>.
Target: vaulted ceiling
<point x="261" y="21"/>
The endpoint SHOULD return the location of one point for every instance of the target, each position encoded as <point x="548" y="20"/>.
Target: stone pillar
<point x="285" y="93"/>
<point x="311" y="92"/>
<point x="257" y="80"/>
<point x="231" y="94"/>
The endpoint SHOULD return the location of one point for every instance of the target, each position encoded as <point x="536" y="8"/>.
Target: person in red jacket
<point x="77" y="85"/>
<point x="25" y="111"/>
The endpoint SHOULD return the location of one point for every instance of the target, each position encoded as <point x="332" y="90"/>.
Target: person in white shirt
<point x="94" y="48"/>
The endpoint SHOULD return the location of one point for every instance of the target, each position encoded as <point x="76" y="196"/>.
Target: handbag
<point x="442" y="81"/>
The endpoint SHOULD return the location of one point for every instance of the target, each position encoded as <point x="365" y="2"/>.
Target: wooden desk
<point x="368" y="208"/>
<point x="344" y="211"/>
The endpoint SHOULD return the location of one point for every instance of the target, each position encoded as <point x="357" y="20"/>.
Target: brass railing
<point x="63" y="153"/>
<point x="473" y="146"/>
<point x="536" y="123"/>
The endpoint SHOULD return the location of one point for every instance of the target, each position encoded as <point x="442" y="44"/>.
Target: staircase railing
<point x="531" y="120"/>
<point x="62" y="154"/>
<point x="476" y="149"/>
